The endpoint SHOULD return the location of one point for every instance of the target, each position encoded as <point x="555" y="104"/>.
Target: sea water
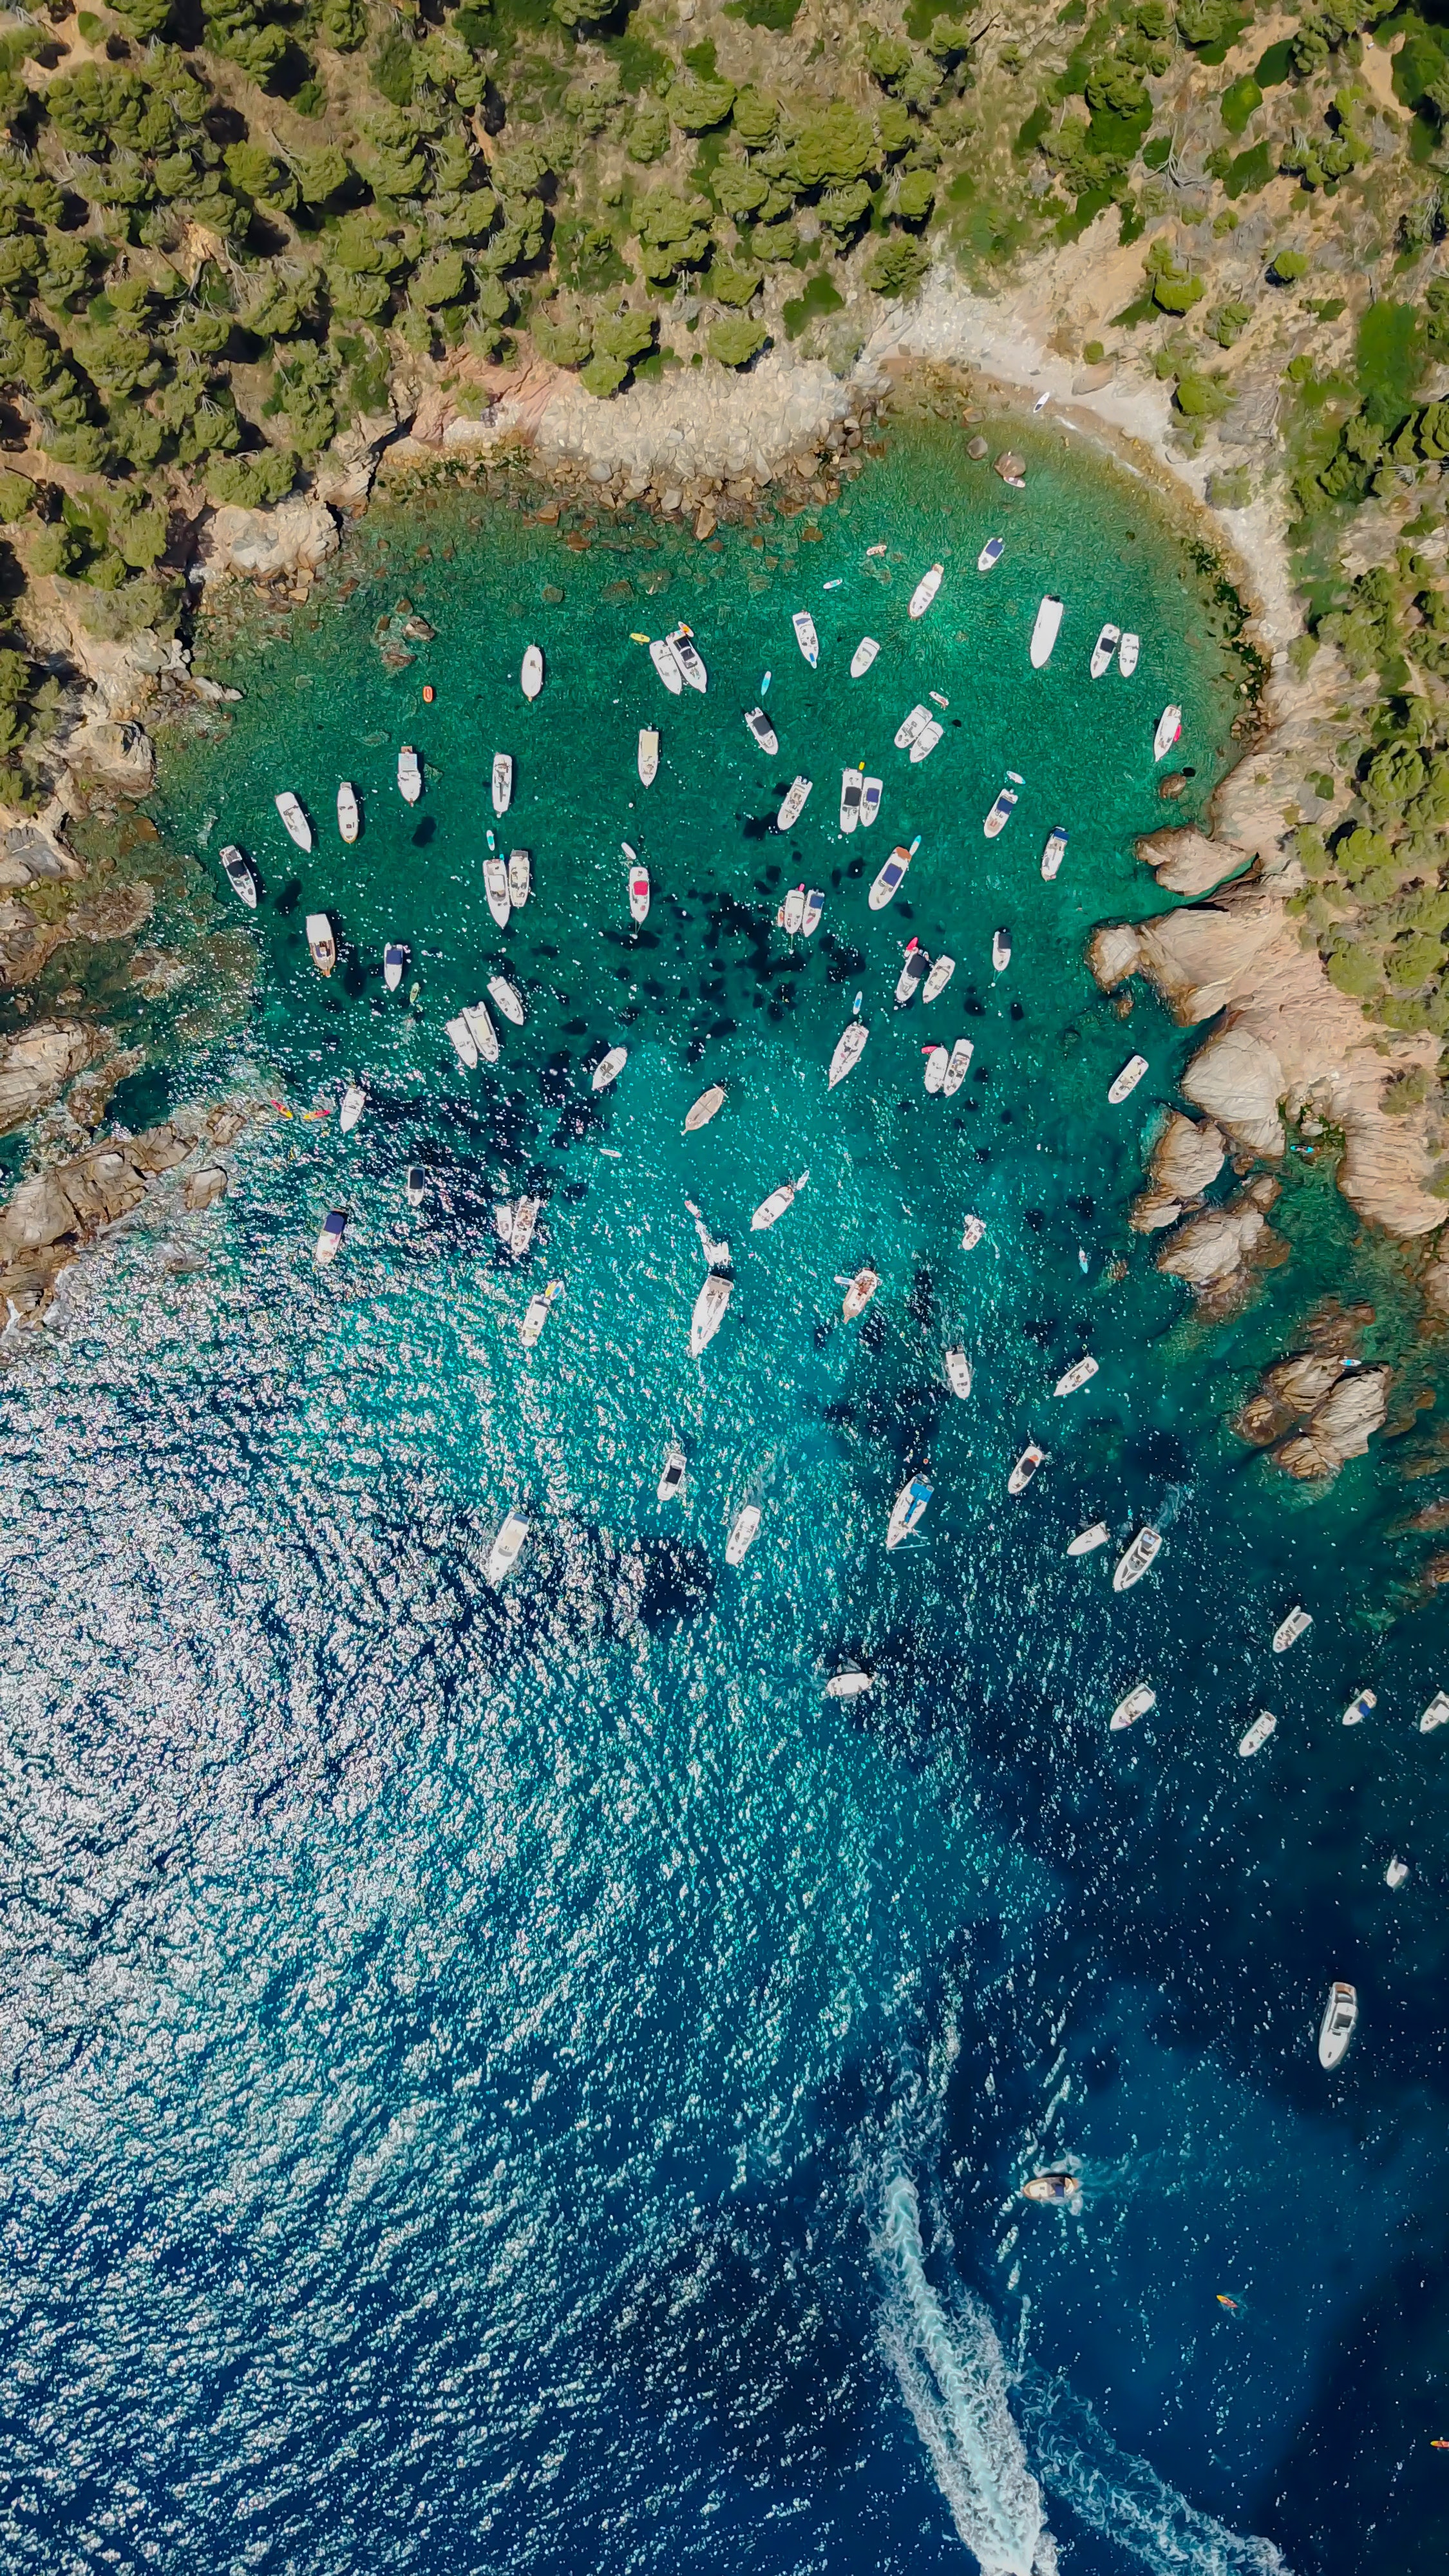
<point x="518" y="2078"/>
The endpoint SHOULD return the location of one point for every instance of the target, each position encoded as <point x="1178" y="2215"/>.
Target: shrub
<point x="1407" y="1090"/>
<point x="648" y="137"/>
<point x="915" y="196"/>
<point x="730" y="285"/>
<point x="696" y="105"/>
<point x="603" y="376"/>
<point x="735" y="339"/>
<point x="16" y="494"/>
<point x="832" y="148"/>
<point x="1285" y="266"/>
<point x="564" y="338"/>
<point x="624" y="336"/>
<point x="252" y="482"/>
<point x="897" y="266"/>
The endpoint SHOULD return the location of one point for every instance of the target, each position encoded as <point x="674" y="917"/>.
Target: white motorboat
<point x="792" y="911"/>
<point x="1169" y="731"/>
<point x="1128" y="1079"/>
<point x="849" y="1048"/>
<point x="1435" y="1714"/>
<point x="1289" y="1630"/>
<point x="956" y="1070"/>
<point x="671" y="1482"/>
<point x="394" y="965"/>
<point x="1025" y="1468"/>
<point x="648" y="755"/>
<point x="240" y="876"/>
<point x="759" y="727"/>
<point x="321" y="942"/>
<point x="610" y="1069"/>
<point x="889" y="880"/>
<point x="334" y="1226"/>
<point x="938" y="1060"/>
<point x="520" y="878"/>
<point x="852" y="789"/>
<point x="1358" y="1709"/>
<point x="409" y="775"/>
<point x="858" y="1293"/>
<point x="1057" y="2190"/>
<point x="503" y="1223"/>
<point x="1104" y="648"/>
<point x="1396" y="1873"/>
<point x="485" y="1036"/>
<point x="915" y="967"/>
<point x="811" y="916"/>
<point x="743" y="1535"/>
<point x="502" y="781"/>
<point x="1264" y="1725"/>
<point x="938" y="979"/>
<point x="354" y="1101"/>
<point x="415" y="1187"/>
<point x="349" y="814"/>
<point x="504" y="1553"/>
<point x="525" y="1218"/>
<point x="638" y="893"/>
<point x="705" y="1108"/>
<point x="662" y="655"/>
<point x="1054" y="853"/>
<point x="1135" y="1705"/>
<point x="495" y="886"/>
<point x="530" y="678"/>
<point x="863" y="656"/>
<point x="991" y="554"/>
<point x="1127" y="652"/>
<point x="687" y="656"/>
<point x="926" y="741"/>
<point x="536" y="1313"/>
<point x="709" y="1311"/>
<point x="805" y="635"/>
<point x="794" y="804"/>
<point x="958" y="1371"/>
<point x="925" y="591"/>
<point x="1340" y="2019"/>
<point x="770" y="1210"/>
<point x="1077" y="1375"/>
<point x="1000" y="814"/>
<point x="294" y="818"/>
<point x="911" y="725"/>
<point x="851" y="1684"/>
<point x="1000" y="950"/>
<point x="1135" y="1560"/>
<point x="1045" y="632"/>
<point x="972" y="1232"/>
<point x="908" y="1511"/>
<point x="508" y="999"/>
<point x="464" y="1043"/>
<point x="1087" y="1541"/>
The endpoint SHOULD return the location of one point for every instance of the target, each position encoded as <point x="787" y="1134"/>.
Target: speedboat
<point x="852" y="786"/>
<point x="743" y="1535"/>
<point x="1396" y="1873"/>
<point x="671" y="1482"/>
<point x="349" y="818"/>
<point x="1127" y="652"/>
<point x="1340" y="2017"/>
<point x="1135" y="1560"/>
<point x="851" y="1684"/>
<point x="1104" y="648"/>
<point x="1001" y="950"/>
<point x="911" y="725"/>
<point x="705" y="1108"/>
<point x="870" y="796"/>
<point x="1358" y="1709"/>
<point x="908" y="1510"/>
<point x="863" y="656"/>
<point x="991" y="554"/>
<point x="648" y="755"/>
<point x="354" y="1101"/>
<point x="520" y="879"/>
<point x="1000" y="814"/>
<point x="504" y="1553"/>
<point x="709" y="1311"/>
<point x="889" y="879"/>
<point x="915" y="967"/>
<point x="485" y="1036"/>
<point x="1054" y="853"/>
<point x="536" y="1314"/>
<point x="1289" y="1630"/>
<point x="239" y="876"/>
<point x="938" y="1060"/>
<point x="495" y="886"/>
<point x="1077" y="1375"/>
<point x="503" y="1223"/>
<point x="1045" y="632"/>
<point x="770" y="1210"/>
<point x="1257" y="1735"/>
<point x="961" y="1054"/>
<point x="811" y="916"/>
<point x="687" y="656"/>
<point x="464" y="1042"/>
<point x="972" y="1232"/>
<point x="1025" y="1468"/>
<point x="638" y="893"/>
<point x="1054" y="2188"/>
<point x="662" y="655"/>
<point x="758" y="724"/>
<point x="849" y="1048"/>
<point x="294" y="818"/>
<point x="610" y="1069"/>
<point x="1128" y="1079"/>
<point x="1435" y="1714"/>
<point x="794" y="804"/>
<point x="938" y="978"/>
<point x="1135" y="1705"/>
<point x="525" y="1218"/>
<point x="958" y="1371"/>
<point x="410" y="776"/>
<point x="394" y="963"/>
<point x="502" y="781"/>
<point x="334" y="1226"/>
<point x="1169" y="730"/>
<point x="925" y="591"/>
<point x="792" y="911"/>
<point x="858" y="1294"/>
<point x="507" y="997"/>
<point x="926" y="741"/>
<point x="530" y="678"/>
<point x="415" y="1187"/>
<point x="321" y="942"/>
<point x="1087" y="1540"/>
<point x="805" y="635"/>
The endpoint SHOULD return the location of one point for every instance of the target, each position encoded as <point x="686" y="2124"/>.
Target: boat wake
<point x="1125" y="2499"/>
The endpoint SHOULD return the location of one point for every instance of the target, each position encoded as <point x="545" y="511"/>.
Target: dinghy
<point x="686" y="655"/>
<point x="610" y="1069"/>
<point x="1340" y="2020"/>
<point x="848" y="1051"/>
<point x="1025" y="1468"/>
<point x="321" y="942"/>
<point x="1289" y="1630"/>
<point x="1264" y="1725"/>
<point x="638" y="893"/>
<point x="925" y="591"/>
<point x="648" y="755"/>
<point x="956" y="1070"/>
<point x="409" y="775"/>
<point x="858" y="1294"/>
<point x="805" y="635"/>
<point x="1001" y="950"/>
<point x="991" y="554"/>
<point x="863" y="656"/>
<point x="937" y="1065"/>
<point x="530" y="678"/>
<point x="1128" y="1079"/>
<point x="507" y="997"/>
<point x="1077" y="1375"/>
<point x="792" y="911"/>
<point x="349" y="817"/>
<point x="958" y="1371"/>
<point x="504" y="1553"/>
<point x="1135" y="1560"/>
<point x="926" y="741"/>
<point x="671" y="1482"/>
<point x="334" y="1226"/>
<point x="1169" y="730"/>
<point x="891" y="875"/>
<point x="1435" y="1714"/>
<point x="536" y="1315"/>
<point x="912" y="725"/>
<point x="1104" y="648"/>
<point x="742" y="1537"/>
<point x="661" y="654"/>
<point x="502" y="781"/>
<point x="1396" y="1873"/>
<point x="485" y="1036"/>
<point x="794" y="804"/>
<point x="709" y="1311"/>
<point x="915" y="967"/>
<point x="1088" y="1540"/>
<point x="908" y="1511"/>
<point x="1054" y="853"/>
<point x="851" y="1684"/>
<point x="464" y="1042"/>
<point x="239" y="876"/>
<point x="495" y="886"/>
<point x="852" y="784"/>
<point x="814" y="908"/>
<point x="1045" y="632"/>
<point x="294" y="818"/>
<point x="938" y="978"/>
<point x="354" y="1101"/>
<point x="525" y="1218"/>
<point x="870" y="796"/>
<point x="520" y="879"/>
<point x="394" y="964"/>
<point x="1127" y="652"/>
<point x="1135" y="1705"/>
<point x="972" y="1232"/>
<point x="758" y="725"/>
<point x="770" y="1210"/>
<point x="415" y="1187"/>
<point x="705" y="1108"/>
<point x="1358" y="1709"/>
<point x="1000" y="814"/>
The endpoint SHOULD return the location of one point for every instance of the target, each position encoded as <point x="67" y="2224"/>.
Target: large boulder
<point x="1210" y="1251"/>
<point x="1340" y="1427"/>
<point x="1187" y="862"/>
<point x="1186" y="1160"/>
<point x="36" y="1065"/>
<point x="266" y="545"/>
<point x="117" y="757"/>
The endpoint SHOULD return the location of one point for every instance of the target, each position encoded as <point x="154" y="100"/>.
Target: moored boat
<point x="485" y="1036"/>
<point x="852" y="1683"/>
<point x="770" y="1210"/>
<point x="890" y="876"/>
<point x="1053" y="2188"/>
<point x="760" y="729"/>
<point x="852" y="785"/>
<point x="1088" y="1540"/>
<point x="638" y="893"/>
<point x="938" y="979"/>
<point x="294" y="818"/>
<point x="334" y="1226"/>
<point x="1358" y="1709"/>
<point x="525" y="1218"/>
<point x="504" y="1553"/>
<point x="972" y="1232"/>
<point x="709" y="1311"/>
<point x="705" y="1108"/>
<point x="991" y="554"/>
<point x="648" y="755"/>
<point x="1000" y="814"/>
<point x="1127" y="1080"/>
<point x="415" y="1187"/>
<point x="792" y="911"/>
<point x="495" y="886"/>
<point x="1000" y="950"/>
<point x="1054" y="852"/>
<point x="662" y="655"/>
<point x="871" y="790"/>
<point x="793" y="805"/>
<point x="849" y="1048"/>
<point x="1264" y="1725"/>
<point x="926" y="741"/>
<point x="1025" y="1468"/>
<point x="1169" y="731"/>
<point x="1135" y="1705"/>
<point x="520" y="878"/>
<point x="1134" y="1561"/>
<point x="1435" y="1714"/>
<point x="240" y="875"/>
<point x="1340" y="2020"/>
<point x="1104" y="648"/>
<point x="321" y="942"/>
<point x="814" y="908"/>
<point x="938" y="1060"/>
<point x="1045" y="631"/>
<point x="863" y="656"/>
<point x="859" y="1293"/>
<point x="465" y="1045"/>
<point x="961" y="1054"/>
<point x="507" y="998"/>
<point x="958" y="1371"/>
<point x="671" y="1481"/>
<point x="409" y="775"/>
<point x="805" y="635"/>
<point x="911" y="725"/>
<point x="907" y="1511"/>
<point x="1127" y="652"/>
<point x="502" y="781"/>
<point x="349" y="814"/>
<point x="925" y="591"/>
<point x="1077" y="1375"/>
<point x="915" y="967"/>
<point x="530" y="678"/>
<point x="609" y="1070"/>
<point x="354" y="1101"/>
<point x="394" y="964"/>
<point x="743" y="1535"/>
<point x="536" y="1313"/>
<point x="1289" y="1630"/>
<point x="686" y="654"/>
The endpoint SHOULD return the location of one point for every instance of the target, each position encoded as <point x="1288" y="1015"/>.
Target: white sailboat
<point x="1135" y="1705"/>
<point x="958" y="1371"/>
<point x="502" y="781"/>
<point x="1104" y="648"/>
<point x="1087" y="1541"/>
<point x="662" y="655"/>
<point x="464" y="1043"/>
<point x="1025" y="1468"/>
<point x="349" y="816"/>
<point x="706" y="1107"/>
<point x="240" y="876"/>
<point x="991" y="554"/>
<point x="1169" y="731"/>
<point x="354" y="1101"/>
<point x="530" y="678"/>
<point x="938" y="979"/>
<point x="925" y="591"/>
<point x="849" y="1048"/>
<point x="409" y="775"/>
<point x="609" y="1070"/>
<point x="485" y="1036"/>
<point x="908" y="1511"/>
<point x="852" y="784"/>
<point x="743" y="1535"/>
<point x="938" y="1061"/>
<point x="1045" y="632"/>
<point x="504" y="1553"/>
<point x="1135" y="1560"/>
<point x="520" y="879"/>
<point x="863" y="656"/>
<point x="294" y="818"/>
<point x="870" y="795"/>
<point x="1127" y="652"/>
<point x="794" y="804"/>
<point x="1054" y="852"/>
<point x="760" y="730"/>
<point x="1128" y="1079"/>
<point x="1340" y="2020"/>
<point x="892" y="874"/>
<point x="709" y="1311"/>
<point x="507" y="998"/>
<point x="805" y="635"/>
<point x="638" y="893"/>
<point x="1289" y="1630"/>
<point x="912" y="725"/>
<point x="321" y="942"/>
<point x="1264" y="1725"/>
<point x="687" y="656"/>
<point x="770" y="1210"/>
<point x="1078" y="1375"/>
<point x="495" y="886"/>
<point x="325" y="1249"/>
<point x="648" y="755"/>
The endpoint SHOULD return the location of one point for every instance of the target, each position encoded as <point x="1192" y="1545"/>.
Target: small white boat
<point x="1045" y="632"/>
<point x="610" y="1069"/>
<point x="394" y="965"/>
<point x="503" y="1223"/>
<point x="891" y="875"/>
<point x="504" y="1553"/>
<point x="1127" y="652"/>
<point x="794" y="804"/>
<point x="1055" y="2189"/>
<point x="648" y="755"/>
<point x="354" y="1101"/>
<point x="1169" y="731"/>
<point x="1135" y="1560"/>
<point x="851" y="1684"/>
<point x="1054" y="853"/>
<point x="687" y="656"/>
<point x="321" y="942"/>
<point x="1104" y="648"/>
<point x="1396" y="1873"/>
<point x="1025" y="1468"/>
<point x="294" y="818"/>
<point x="409" y="775"/>
<point x="638" y="893"/>
<point x="485" y="1036"/>
<point x="770" y="1210"/>
<point x="1088" y="1540"/>
<point x="709" y="1311"/>
<point x="911" y="725"/>
<point x="495" y="886"/>
<point x="863" y="656"/>
<point x="792" y="911"/>
<point x="525" y="1218"/>
<point x="671" y="1482"/>
<point x="536" y="1314"/>
<point x="1000" y="814"/>
<point x="915" y="967"/>
<point x="908" y="1511"/>
<point x="502" y="781"/>
<point x="1340" y="2018"/>
<point x="938" y="1062"/>
<point x="464" y="1043"/>
<point x="858" y="1294"/>
<point x="926" y="741"/>
<point x="758" y="725"/>
<point x="239" y="876"/>
<point x="508" y="998"/>
<point x="1128" y="1079"/>
<point x="958" y="1371"/>
<point x="1077" y="1375"/>
<point x="1264" y="1724"/>
<point x="1435" y="1714"/>
<point x="349" y="816"/>
<point x="415" y="1187"/>
<point x="852" y="789"/>
<point x="662" y="655"/>
<point x="705" y="1108"/>
<point x="938" y="979"/>
<point x="530" y="678"/>
<point x="520" y="879"/>
<point x="805" y="635"/>
<point x="334" y="1226"/>
<point x="849" y="1048"/>
<point x="1358" y="1709"/>
<point x="743" y="1535"/>
<point x="811" y="916"/>
<point x="870" y="795"/>
<point x="1289" y="1630"/>
<point x="972" y="1232"/>
<point x="991" y="554"/>
<point x="1001" y="950"/>
<point x="925" y="591"/>
<point x="1135" y="1705"/>
<point x="956" y="1070"/>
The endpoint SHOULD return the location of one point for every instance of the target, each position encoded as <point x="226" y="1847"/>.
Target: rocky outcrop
<point x="27" y="943"/>
<point x="266" y="545"/>
<point x="1330" y="1408"/>
<point x="1213" y="1250"/>
<point x="32" y="853"/>
<point x="1186" y="1160"/>
<point x="204" y="1188"/>
<point x="1186" y="862"/>
<point x="114" y="756"/>
<point x="36" y="1065"/>
<point x="57" y="1214"/>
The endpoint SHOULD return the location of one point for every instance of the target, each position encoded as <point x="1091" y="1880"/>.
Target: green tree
<point x="625" y="335"/>
<point x="756" y="116"/>
<point x="897" y="266"/>
<point x="565" y="338"/>
<point x="735" y="339"/>
<point x="603" y="376"/>
<point x="254" y="481"/>
<point x="648" y="137"/>
<point x="696" y="105"/>
<point x="915" y="196"/>
<point x="835" y="147"/>
<point x="731" y="285"/>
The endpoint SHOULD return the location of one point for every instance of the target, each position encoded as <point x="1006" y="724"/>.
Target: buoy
<point x="427" y="693"/>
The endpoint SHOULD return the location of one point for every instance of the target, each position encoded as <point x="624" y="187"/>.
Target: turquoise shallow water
<point x="523" y="2081"/>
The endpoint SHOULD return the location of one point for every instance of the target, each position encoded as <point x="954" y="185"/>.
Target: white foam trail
<point x="953" y="2378"/>
<point x="1124" y="2498"/>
